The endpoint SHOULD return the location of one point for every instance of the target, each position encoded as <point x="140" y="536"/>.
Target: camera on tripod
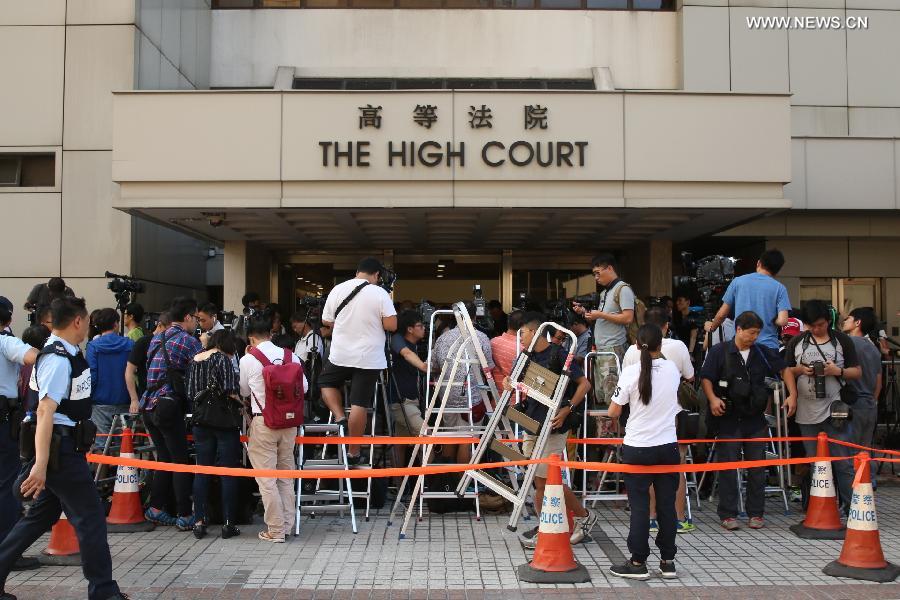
<point x="709" y="277"/>
<point x="124" y="288"/>
<point x="312" y="302"/>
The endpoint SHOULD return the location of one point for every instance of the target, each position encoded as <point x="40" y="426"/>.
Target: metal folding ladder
<point x="379" y="396"/>
<point x="325" y="500"/>
<point x="459" y="356"/>
<point x="540" y="385"/>
<point x="118" y="423"/>
<point x="609" y="454"/>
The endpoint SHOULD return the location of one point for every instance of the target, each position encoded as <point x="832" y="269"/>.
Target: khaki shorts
<point x="556" y="444"/>
<point x="407" y="418"/>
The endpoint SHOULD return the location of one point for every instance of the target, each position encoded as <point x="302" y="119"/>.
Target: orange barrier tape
<point x="616" y="441"/>
<point x="858" y="447"/>
<point x="435" y="469"/>
<point x="298" y="474"/>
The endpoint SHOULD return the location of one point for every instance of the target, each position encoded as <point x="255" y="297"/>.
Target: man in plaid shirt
<point x="164" y="413"/>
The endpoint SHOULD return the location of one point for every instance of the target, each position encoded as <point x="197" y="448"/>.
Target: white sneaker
<point x="583" y="526"/>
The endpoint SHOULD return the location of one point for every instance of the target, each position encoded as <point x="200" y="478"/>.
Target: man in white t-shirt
<point x="269" y="448"/>
<point x="360" y="311"/>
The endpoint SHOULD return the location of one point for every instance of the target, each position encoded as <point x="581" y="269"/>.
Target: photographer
<point x="552" y="357"/>
<point x="44" y="293"/>
<point x="307" y="338"/>
<point x="165" y="405"/>
<point x="499" y="318"/>
<point x="251" y="304"/>
<point x="404" y="389"/>
<point x="760" y="293"/>
<point x="611" y="320"/>
<point x="361" y="312"/>
<point x="734" y="381"/>
<point x="684" y="327"/>
<point x="860" y="324"/>
<point x="824" y="360"/>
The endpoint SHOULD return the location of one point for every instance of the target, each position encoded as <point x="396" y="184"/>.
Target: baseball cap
<point x="793" y="327"/>
<point x="5" y="303"/>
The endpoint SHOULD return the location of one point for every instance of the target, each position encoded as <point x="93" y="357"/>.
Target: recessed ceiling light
<point x="439" y="276"/>
<point x="441" y="266"/>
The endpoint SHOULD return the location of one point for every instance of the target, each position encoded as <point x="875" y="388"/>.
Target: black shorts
<point x="362" y="382"/>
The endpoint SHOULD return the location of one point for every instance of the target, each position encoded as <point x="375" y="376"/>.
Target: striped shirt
<point x="209" y="367"/>
<point x="181" y="347"/>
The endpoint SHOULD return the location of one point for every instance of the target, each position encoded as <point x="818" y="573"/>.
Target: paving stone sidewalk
<point x="454" y="556"/>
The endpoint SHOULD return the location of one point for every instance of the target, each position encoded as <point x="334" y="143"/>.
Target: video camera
<point x="483" y="320"/>
<point x="386" y="279"/>
<point x="311" y="302"/>
<point x="124" y="288"/>
<point x="708" y="276"/>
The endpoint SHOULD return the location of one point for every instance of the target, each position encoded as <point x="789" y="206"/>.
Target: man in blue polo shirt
<point x="58" y="474"/>
<point x="760" y="293"/>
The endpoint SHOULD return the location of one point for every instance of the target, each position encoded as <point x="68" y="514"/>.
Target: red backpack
<point x="284" y="391"/>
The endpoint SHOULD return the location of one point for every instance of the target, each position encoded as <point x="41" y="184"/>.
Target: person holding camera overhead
<point x="734" y="381"/>
<point x="823" y="360"/>
<point x="361" y="311"/>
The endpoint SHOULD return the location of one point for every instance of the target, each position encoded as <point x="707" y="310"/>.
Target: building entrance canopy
<point x="249" y="165"/>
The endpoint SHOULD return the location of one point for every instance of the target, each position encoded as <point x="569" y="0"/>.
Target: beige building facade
<point x="215" y="149"/>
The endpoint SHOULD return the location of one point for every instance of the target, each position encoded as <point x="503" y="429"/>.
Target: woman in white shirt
<point x="650" y="389"/>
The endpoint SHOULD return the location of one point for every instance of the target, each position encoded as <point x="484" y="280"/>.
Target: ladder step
<point x="506" y="452"/>
<point x="517" y="416"/>
<point x="320" y="464"/>
<point x="323" y="507"/>
<point x="321" y="428"/>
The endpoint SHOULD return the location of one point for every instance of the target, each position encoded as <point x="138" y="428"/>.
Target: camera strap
<point x="349" y="297"/>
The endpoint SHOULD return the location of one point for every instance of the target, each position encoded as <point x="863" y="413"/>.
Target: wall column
<point x="506" y="281"/>
<point x="660" y="267"/>
<point x="235" y="276"/>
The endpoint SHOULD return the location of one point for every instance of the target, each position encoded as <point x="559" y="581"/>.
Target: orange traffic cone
<point x="126" y="514"/>
<point x="823" y="521"/>
<point x="553" y="560"/>
<point x="862" y="557"/>
<point x="62" y="550"/>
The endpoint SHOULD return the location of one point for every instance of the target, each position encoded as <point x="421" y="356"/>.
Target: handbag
<point x="213" y="408"/>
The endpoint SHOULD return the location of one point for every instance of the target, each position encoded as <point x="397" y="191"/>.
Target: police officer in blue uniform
<point x="60" y="400"/>
<point x="14" y="353"/>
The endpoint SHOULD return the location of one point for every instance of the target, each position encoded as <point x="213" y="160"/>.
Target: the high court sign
<point x="442" y="148"/>
<point x="534" y="118"/>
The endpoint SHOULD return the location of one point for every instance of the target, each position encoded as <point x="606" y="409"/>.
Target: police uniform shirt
<point x="54" y="378"/>
<point x="13" y="351"/>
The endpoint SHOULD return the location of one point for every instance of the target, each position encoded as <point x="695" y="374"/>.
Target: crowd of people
<point x="257" y="374"/>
